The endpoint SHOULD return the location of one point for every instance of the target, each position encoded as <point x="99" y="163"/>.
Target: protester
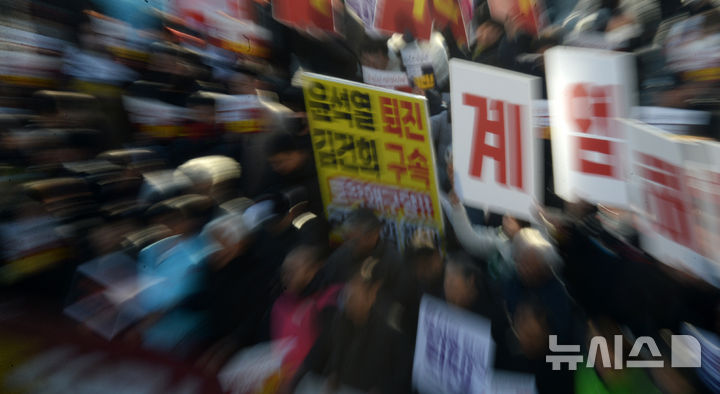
<point x="466" y="288"/>
<point x="291" y="165"/>
<point x="492" y="245"/>
<point x="298" y="312"/>
<point x="361" y="240"/>
<point x="358" y="348"/>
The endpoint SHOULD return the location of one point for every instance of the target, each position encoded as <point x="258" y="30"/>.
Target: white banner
<point x="586" y="89"/>
<point x="454" y="350"/>
<point x="496" y="155"/>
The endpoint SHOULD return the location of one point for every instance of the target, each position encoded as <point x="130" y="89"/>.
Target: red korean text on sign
<point x="382" y="198"/>
<point x="402" y="118"/>
<point x="506" y="128"/>
<point x="704" y="190"/>
<point x="415" y="165"/>
<point x="666" y="203"/>
<point x="589" y="111"/>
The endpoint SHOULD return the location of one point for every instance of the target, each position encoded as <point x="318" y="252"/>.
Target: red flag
<point x="448" y="13"/>
<point x="305" y="13"/>
<point x="526" y="14"/>
<point x="401" y="16"/>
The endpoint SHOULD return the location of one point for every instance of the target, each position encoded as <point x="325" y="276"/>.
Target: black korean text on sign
<point x="341" y="106"/>
<point x="362" y="111"/>
<point x="347" y="152"/>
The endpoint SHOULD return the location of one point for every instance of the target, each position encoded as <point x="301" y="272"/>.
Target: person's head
<point x="610" y="4"/>
<point x="202" y="108"/>
<point x="374" y="54"/>
<point x="424" y="257"/>
<point x="183" y="215"/>
<point x="65" y="109"/>
<point x="246" y="78"/>
<point x="118" y="220"/>
<point x="300" y="267"/>
<point x="531" y="328"/>
<point x="285" y="156"/>
<point x="580" y="209"/>
<point x="362" y="290"/>
<point x="697" y="5"/>
<point x="462" y="279"/>
<point x="173" y="60"/>
<point x="427" y="264"/>
<point x="88" y="37"/>
<point x="362" y="230"/>
<point x="489" y="33"/>
<point x="545" y="42"/>
<point x="243" y="83"/>
<point x="535" y="257"/>
<point x="231" y="236"/>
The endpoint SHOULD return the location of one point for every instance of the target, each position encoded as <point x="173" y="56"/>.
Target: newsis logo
<point x="685" y="353"/>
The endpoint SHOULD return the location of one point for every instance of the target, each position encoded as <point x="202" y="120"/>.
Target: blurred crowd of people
<point x="134" y="206"/>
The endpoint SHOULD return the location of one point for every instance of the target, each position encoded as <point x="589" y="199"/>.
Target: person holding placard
<point x="487" y="243"/>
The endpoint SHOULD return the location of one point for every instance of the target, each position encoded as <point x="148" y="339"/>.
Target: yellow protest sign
<point x="373" y="148"/>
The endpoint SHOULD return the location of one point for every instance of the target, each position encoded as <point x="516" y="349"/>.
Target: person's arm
<point x="479" y="241"/>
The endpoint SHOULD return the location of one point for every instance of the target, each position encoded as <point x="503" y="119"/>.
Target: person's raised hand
<point x="454" y="199"/>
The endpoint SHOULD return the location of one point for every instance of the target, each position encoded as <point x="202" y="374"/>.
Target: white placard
<point x="495" y="152"/>
<point x="703" y="175"/>
<point x="586" y="89"/>
<point x="659" y="195"/>
<point x="454" y="350"/>
<point x="385" y="79"/>
<point x="232" y="108"/>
